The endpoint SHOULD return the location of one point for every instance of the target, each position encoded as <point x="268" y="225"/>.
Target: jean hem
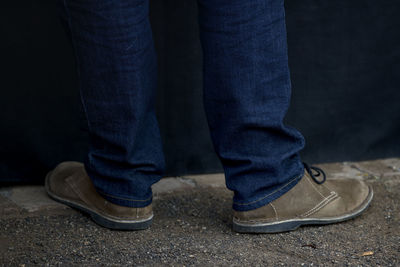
<point x="115" y="199"/>
<point x="121" y="201"/>
<point x="262" y="201"/>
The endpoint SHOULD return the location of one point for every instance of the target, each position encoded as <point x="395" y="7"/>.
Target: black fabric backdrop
<point x="345" y="65"/>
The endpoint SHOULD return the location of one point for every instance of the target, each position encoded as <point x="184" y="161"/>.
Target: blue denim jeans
<point x="246" y="96"/>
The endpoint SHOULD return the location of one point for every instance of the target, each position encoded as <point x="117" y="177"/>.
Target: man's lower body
<point x="246" y="96"/>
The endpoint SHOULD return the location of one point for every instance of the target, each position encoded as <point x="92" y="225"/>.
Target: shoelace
<point x="316" y="174"/>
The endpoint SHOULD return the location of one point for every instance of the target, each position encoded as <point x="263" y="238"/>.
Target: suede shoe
<point x="69" y="184"/>
<point x="310" y="202"/>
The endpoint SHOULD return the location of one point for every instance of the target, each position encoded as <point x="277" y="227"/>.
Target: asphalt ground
<point x="192" y="227"/>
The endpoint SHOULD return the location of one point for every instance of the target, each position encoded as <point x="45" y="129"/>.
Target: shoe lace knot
<point x="315" y="173"/>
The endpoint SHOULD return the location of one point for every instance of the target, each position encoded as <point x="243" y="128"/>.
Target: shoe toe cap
<point x="353" y="197"/>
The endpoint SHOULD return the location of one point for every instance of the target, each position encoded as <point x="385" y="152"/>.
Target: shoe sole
<point x="290" y="225"/>
<point x="101" y="220"/>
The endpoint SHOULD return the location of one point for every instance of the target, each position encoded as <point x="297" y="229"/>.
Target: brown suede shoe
<point x="69" y="184"/>
<point x="307" y="203"/>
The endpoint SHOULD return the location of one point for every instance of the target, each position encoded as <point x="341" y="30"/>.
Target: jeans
<point x="246" y="96"/>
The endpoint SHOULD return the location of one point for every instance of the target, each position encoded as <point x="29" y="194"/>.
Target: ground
<point x="192" y="226"/>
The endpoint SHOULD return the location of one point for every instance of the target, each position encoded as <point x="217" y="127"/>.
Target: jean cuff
<point x="127" y="202"/>
<point x="264" y="200"/>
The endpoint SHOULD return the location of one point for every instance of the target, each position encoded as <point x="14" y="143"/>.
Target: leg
<point x="246" y="94"/>
<point x="247" y="91"/>
<point x="117" y="71"/>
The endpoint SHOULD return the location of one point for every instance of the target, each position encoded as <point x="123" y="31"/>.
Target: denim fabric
<point x="246" y="96"/>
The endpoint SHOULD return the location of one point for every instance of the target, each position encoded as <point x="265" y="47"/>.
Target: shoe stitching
<point x="324" y="185"/>
<point x="102" y="212"/>
<point x="102" y="193"/>
<point x="305" y="214"/>
<point x="312" y="184"/>
<point x="316" y="207"/>
<point x="72" y="184"/>
<point x="319" y="205"/>
<point x="276" y="213"/>
<point x="264" y="197"/>
<point x="87" y="202"/>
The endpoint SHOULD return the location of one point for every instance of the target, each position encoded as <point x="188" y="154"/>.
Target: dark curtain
<point x="345" y="65"/>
